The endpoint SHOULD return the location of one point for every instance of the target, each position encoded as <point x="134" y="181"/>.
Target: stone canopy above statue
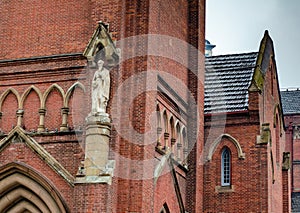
<point x="101" y="47"/>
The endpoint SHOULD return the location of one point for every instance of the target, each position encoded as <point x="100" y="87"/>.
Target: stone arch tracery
<point x="21" y="99"/>
<point x="49" y="90"/>
<point x="6" y="93"/>
<point x="70" y="91"/>
<point x="174" y="134"/>
<point x="33" y="113"/>
<point x="71" y="117"/>
<point x="10" y="116"/>
<point x="26" y="93"/>
<point x="22" y="188"/>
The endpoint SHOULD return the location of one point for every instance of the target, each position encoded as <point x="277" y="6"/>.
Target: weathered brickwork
<point x="45" y="90"/>
<point x="256" y="140"/>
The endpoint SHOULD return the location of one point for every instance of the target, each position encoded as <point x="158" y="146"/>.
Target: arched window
<point x="225" y="167"/>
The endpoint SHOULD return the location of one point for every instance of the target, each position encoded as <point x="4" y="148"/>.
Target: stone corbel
<point x="286" y="162"/>
<point x="265" y="134"/>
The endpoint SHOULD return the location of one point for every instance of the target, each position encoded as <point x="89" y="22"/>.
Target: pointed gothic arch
<point x="47" y="92"/>
<point x="6" y="93"/>
<point x="172" y="127"/>
<point x="71" y="91"/>
<point x="165" y="121"/>
<point x="277" y="113"/>
<point x="27" y="92"/>
<point x="215" y="144"/>
<point x="21" y="187"/>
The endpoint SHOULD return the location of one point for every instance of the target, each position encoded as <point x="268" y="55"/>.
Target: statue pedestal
<point x="97" y="167"/>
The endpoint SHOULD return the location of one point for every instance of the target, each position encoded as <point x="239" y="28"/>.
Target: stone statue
<point x="100" y="89"/>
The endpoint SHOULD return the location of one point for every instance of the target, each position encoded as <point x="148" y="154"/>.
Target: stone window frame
<point x="226" y="167"/>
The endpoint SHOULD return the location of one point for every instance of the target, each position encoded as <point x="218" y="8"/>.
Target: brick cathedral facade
<point x="157" y="141"/>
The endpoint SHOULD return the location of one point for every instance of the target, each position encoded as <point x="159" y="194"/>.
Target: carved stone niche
<point x="265" y="134"/>
<point x="296" y="132"/>
<point x="101" y="54"/>
<point x="102" y="47"/>
<point x="286" y="162"/>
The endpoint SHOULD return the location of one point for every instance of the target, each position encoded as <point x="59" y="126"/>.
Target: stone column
<point x="158" y="145"/>
<point x="20" y="113"/>
<point x="41" y="127"/>
<point x="173" y="141"/>
<point x="64" y="125"/>
<point x="166" y="137"/>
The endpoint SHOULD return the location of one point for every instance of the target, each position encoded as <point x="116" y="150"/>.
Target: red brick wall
<point x="47" y="28"/>
<point x="51" y="28"/>
<point x="248" y="175"/>
<point x="9" y="109"/>
<point x="31" y="116"/>
<point x="258" y="180"/>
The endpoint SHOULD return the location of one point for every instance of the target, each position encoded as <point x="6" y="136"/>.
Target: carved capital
<point x="20" y="112"/>
<point x="166" y="135"/>
<point x="159" y="130"/>
<point x="65" y="110"/>
<point x="286" y="162"/>
<point x="42" y="111"/>
<point x="173" y="141"/>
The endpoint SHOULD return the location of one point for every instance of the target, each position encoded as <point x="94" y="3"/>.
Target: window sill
<point x="224" y="189"/>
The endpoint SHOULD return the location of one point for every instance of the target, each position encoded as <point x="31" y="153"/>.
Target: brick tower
<point x="101" y="105"/>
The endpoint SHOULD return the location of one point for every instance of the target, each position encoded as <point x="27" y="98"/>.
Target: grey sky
<point x="237" y="26"/>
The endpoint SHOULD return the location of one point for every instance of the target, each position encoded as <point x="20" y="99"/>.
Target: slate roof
<point x="227" y="79"/>
<point x="296" y="202"/>
<point x="290" y="100"/>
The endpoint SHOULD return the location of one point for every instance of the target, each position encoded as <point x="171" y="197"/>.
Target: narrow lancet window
<point x="225" y="167"/>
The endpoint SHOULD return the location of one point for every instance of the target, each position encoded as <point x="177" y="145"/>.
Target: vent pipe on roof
<point x="208" y="48"/>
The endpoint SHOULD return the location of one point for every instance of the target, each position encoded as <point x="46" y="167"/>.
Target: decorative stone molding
<point x="286" y="162"/>
<point x="18" y="135"/>
<point x="212" y="148"/>
<point x="22" y="187"/>
<point x="265" y="134"/>
<point x="101" y="43"/>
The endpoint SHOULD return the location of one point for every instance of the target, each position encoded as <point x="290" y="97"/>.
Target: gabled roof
<point x="227" y="79"/>
<point x="290" y="100"/>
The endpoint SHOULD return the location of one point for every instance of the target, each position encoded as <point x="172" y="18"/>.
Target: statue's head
<point x="100" y="63"/>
